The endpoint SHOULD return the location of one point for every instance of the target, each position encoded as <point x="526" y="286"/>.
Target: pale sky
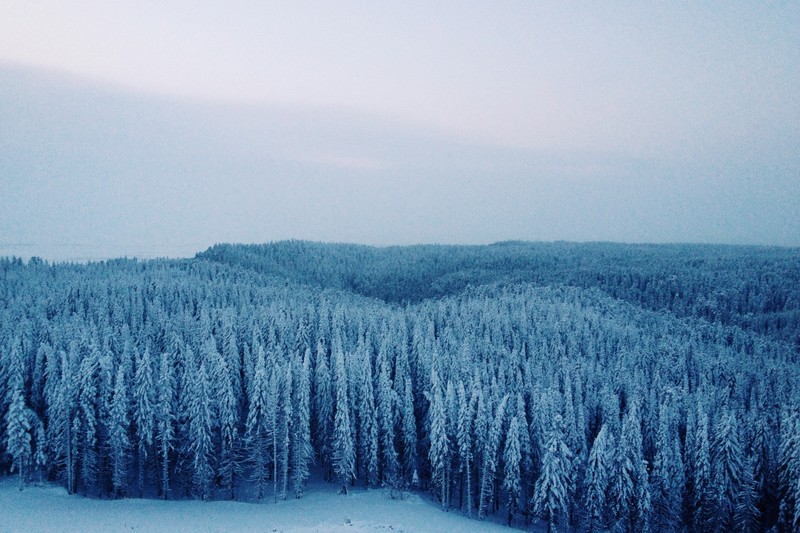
<point x="162" y="127"/>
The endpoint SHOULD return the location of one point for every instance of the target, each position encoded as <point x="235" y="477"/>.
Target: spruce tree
<point x="302" y="451"/>
<point x="551" y="493"/>
<point x="439" y="452"/>
<point x="511" y="473"/>
<point x="17" y="419"/>
<point x="120" y="443"/>
<point x="596" y="481"/>
<point x="200" y="433"/>
<point x="165" y="419"/>
<point x="343" y="450"/>
<point x="143" y="412"/>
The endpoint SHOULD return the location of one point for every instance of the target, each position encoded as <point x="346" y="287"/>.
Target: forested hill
<point x="485" y="380"/>
<point x="755" y="288"/>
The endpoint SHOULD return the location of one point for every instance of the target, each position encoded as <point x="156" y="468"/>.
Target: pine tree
<point x="667" y="479"/>
<point x="727" y="471"/>
<point x="120" y="443"/>
<point x="489" y="468"/>
<point x="143" y="412"/>
<point x="439" y="446"/>
<point x="165" y="418"/>
<point x="465" y="443"/>
<point x="228" y="422"/>
<point x="386" y="420"/>
<point x="596" y="481"/>
<point x="17" y="420"/>
<point x="200" y="432"/>
<point x="551" y="493"/>
<point x="257" y="427"/>
<point x="85" y="422"/>
<point x="629" y="489"/>
<point x="343" y="450"/>
<point x="789" y="470"/>
<point x="302" y="452"/>
<point x="702" y="499"/>
<point x="409" y="432"/>
<point x="368" y="424"/>
<point x="746" y="514"/>
<point x="511" y="473"/>
<point x="323" y="407"/>
<point x="285" y="428"/>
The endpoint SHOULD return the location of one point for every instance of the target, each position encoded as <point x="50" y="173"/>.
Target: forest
<point x="599" y="387"/>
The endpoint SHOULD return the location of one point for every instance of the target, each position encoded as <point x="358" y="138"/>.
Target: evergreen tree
<point x="257" y="426"/>
<point x="667" y="479"/>
<point x="17" y="419"/>
<point x="227" y="418"/>
<point x="727" y="471"/>
<point x="465" y="443"/>
<point x="702" y="499"/>
<point x="119" y="437"/>
<point x="323" y="400"/>
<point x="200" y="432"/>
<point x="302" y="452"/>
<point x="343" y="450"/>
<point x="511" y="474"/>
<point x="285" y="428"/>
<point x="439" y="448"/>
<point x="85" y="422"/>
<point x="144" y="412"/>
<point x="789" y="470"/>
<point x="368" y="425"/>
<point x="629" y="489"/>
<point x="165" y="418"/>
<point x="489" y="469"/>
<point x="409" y="433"/>
<point x="551" y="494"/>
<point x="386" y="420"/>
<point x="598" y="473"/>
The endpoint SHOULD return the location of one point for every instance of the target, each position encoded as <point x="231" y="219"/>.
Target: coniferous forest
<point x="590" y="386"/>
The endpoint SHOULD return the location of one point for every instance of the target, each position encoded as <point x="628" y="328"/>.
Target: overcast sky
<point x="145" y="128"/>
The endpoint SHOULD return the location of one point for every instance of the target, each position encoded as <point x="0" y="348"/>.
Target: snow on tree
<point x="551" y="493"/>
<point x="789" y="469"/>
<point x="344" y="460"/>
<point x="598" y="472"/>
<point x="667" y="478"/>
<point x="439" y="453"/>
<point x="465" y="444"/>
<point x="200" y="432"/>
<point x="727" y="471"/>
<point x="302" y="451"/>
<point x="17" y="420"/>
<point x="368" y="423"/>
<point x="489" y="468"/>
<point x="120" y="442"/>
<point x="702" y="498"/>
<point x="143" y="412"/>
<point x="511" y="473"/>
<point x="257" y="432"/>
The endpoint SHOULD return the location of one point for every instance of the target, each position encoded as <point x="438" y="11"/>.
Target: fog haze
<point x="156" y="130"/>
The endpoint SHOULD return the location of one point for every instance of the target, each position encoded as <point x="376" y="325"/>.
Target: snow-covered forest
<point x="593" y="386"/>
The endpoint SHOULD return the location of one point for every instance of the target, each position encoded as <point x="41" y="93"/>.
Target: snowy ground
<point x="50" y="508"/>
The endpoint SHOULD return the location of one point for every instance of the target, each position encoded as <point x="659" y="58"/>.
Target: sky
<point x="159" y="128"/>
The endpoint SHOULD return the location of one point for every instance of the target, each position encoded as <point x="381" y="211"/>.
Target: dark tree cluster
<point x="214" y="378"/>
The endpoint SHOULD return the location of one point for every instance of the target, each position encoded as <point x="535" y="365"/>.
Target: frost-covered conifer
<point x="119" y="442"/>
<point x="596" y="481"/>
<point x="511" y="472"/>
<point x="551" y="494"/>
<point x="344" y="460"/>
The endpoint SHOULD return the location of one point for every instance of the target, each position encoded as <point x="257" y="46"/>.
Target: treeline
<point x="755" y="288"/>
<point x="197" y="379"/>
